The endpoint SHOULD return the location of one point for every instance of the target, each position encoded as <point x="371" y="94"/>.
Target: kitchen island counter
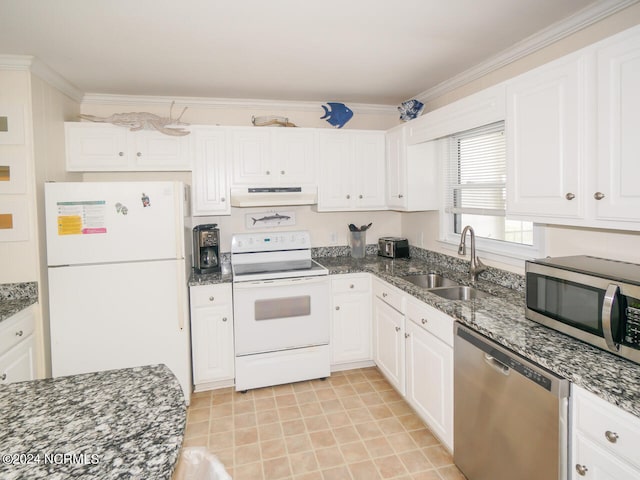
<point x="501" y="317"/>
<point x="126" y="423"/>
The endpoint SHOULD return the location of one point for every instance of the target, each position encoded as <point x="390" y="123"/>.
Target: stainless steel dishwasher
<point x="510" y="415"/>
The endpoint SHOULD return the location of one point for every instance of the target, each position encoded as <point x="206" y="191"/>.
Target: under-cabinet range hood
<point x="273" y="196"/>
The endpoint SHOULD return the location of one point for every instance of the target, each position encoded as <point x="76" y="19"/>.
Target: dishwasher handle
<point x="497" y="365"/>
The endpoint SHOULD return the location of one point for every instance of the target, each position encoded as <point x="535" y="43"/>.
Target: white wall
<point x="559" y="240"/>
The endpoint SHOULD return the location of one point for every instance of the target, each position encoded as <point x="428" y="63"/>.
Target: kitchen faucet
<point x="476" y="265"/>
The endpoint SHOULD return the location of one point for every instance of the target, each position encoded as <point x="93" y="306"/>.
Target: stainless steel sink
<point x="460" y="293"/>
<point x="429" y="280"/>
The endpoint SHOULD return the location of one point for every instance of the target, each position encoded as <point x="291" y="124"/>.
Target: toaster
<point x="393" y="247"/>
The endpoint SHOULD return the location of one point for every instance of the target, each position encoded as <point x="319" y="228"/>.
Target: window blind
<point x="477" y="171"/>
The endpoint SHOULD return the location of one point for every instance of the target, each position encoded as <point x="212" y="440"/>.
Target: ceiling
<point x="362" y="51"/>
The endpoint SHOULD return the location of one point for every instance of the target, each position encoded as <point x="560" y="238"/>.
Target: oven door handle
<point x="607" y="312"/>
<point x="281" y="282"/>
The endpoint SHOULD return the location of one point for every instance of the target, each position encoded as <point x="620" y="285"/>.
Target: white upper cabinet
<point x="99" y="147"/>
<point x="615" y="192"/>
<point x="351" y="168"/>
<point x="412" y="173"/>
<point x="547" y="117"/>
<point x="273" y="156"/>
<point x="210" y="175"/>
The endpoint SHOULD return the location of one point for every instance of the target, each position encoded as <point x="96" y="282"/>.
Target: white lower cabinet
<point x="604" y="439"/>
<point x="350" y="320"/>
<point x="212" y="336"/>
<point x="429" y="365"/>
<point x="388" y="325"/>
<point x="18" y="347"/>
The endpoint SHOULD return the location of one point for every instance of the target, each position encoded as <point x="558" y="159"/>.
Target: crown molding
<point x="545" y="37"/>
<point x="32" y="64"/>
<point x="146" y="100"/>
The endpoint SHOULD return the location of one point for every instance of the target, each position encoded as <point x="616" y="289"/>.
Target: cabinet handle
<point x="384" y="295"/>
<point x="121" y="154"/>
<point x="211" y="299"/>
<point x="348" y="196"/>
<point x="351" y="286"/>
<point x="397" y="329"/>
<point x="139" y="154"/>
<point x="611" y="436"/>
<point x="424" y="321"/>
<point x="359" y="196"/>
<point x="400" y="195"/>
<point x="19" y="333"/>
<point x="569" y="196"/>
<point x="338" y="308"/>
<point x="224" y="319"/>
<point x="581" y="469"/>
<point x="598" y="195"/>
<point x="3" y="377"/>
<point x="281" y="172"/>
<point x="268" y="172"/>
<point x="407" y="335"/>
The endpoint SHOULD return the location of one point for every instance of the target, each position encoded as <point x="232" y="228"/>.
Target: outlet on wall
<point x="333" y="238"/>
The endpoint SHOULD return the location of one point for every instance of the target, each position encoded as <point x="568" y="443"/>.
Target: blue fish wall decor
<point x="339" y="114"/>
<point x="410" y="109"/>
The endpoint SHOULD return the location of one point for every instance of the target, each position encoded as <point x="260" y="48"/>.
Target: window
<point x="475" y="189"/>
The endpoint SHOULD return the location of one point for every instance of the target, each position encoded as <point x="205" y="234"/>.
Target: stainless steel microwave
<point x="592" y="299"/>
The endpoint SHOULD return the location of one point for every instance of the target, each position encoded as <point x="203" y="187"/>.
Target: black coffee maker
<point x="206" y="248"/>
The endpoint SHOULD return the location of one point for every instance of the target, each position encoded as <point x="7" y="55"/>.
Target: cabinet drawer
<point x="432" y="320"/>
<point x="389" y="294"/>
<point x="16" y="328"/>
<point x="203" y="295"/>
<point x="607" y="426"/>
<point x="350" y="283"/>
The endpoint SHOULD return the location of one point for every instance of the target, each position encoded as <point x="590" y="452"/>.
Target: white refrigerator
<point x="118" y="277"/>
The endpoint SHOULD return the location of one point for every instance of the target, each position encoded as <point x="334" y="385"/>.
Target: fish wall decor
<point x="270" y="219"/>
<point x="339" y="114"/>
<point x="410" y="109"/>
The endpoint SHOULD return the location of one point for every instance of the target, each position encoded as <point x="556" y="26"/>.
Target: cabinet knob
<point x="359" y="196"/>
<point x="223" y="199"/>
<point x="397" y="329"/>
<point x="384" y="294"/>
<point x="407" y="335"/>
<point x="348" y="196"/>
<point x="281" y="172"/>
<point x="351" y="286"/>
<point x="211" y="299"/>
<point x="598" y="195"/>
<point x="581" y="469"/>
<point x="569" y="196"/>
<point x="139" y="154"/>
<point x="3" y="376"/>
<point x="338" y="308"/>
<point x="19" y="333"/>
<point x="611" y="436"/>
<point x="268" y="172"/>
<point x="400" y="195"/>
<point x="424" y="321"/>
<point x="121" y="154"/>
<point x="224" y="319"/>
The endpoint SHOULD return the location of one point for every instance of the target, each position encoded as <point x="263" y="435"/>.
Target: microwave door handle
<point x="607" y="310"/>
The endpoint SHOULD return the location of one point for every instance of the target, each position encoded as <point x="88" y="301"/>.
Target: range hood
<point x="273" y="196"/>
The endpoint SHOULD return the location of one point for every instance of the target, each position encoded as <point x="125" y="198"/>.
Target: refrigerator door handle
<point x="182" y="298"/>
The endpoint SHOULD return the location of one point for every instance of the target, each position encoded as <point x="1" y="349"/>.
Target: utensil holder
<point x="358" y="243"/>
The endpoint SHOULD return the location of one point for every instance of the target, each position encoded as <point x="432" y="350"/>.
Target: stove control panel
<point x="270" y="241"/>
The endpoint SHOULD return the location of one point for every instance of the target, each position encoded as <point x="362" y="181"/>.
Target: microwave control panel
<point x="632" y="325"/>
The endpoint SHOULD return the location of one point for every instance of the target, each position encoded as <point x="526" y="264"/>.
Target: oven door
<point x="273" y="315"/>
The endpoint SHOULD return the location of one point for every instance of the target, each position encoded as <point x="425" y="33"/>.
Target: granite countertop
<point x="500" y="317"/>
<point x="15" y="297"/>
<point x="125" y="423"/>
<point x="197" y="279"/>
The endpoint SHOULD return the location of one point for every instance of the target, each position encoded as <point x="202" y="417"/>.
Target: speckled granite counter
<point x="209" y="278"/>
<point x="502" y="319"/>
<point x="125" y="423"/>
<point x="15" y="297"/>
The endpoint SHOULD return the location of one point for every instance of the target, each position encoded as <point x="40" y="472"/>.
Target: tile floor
<point x="352" y="426"/>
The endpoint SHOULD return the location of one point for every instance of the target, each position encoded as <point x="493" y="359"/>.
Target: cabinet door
<point x="335" y="166"/>
<point x="617" y="184"/>
<point x="153" y="150"/>
<point x="389" y="343"/>
<point x="94" y="147"/>
<point x="212" y="343"/>
<point x="351" y="328"/>
<point x="251" y="153"/>
<point x="369" y="174"/>
<point x="547" y="120"/>
<point x="210" y="173"/>
<point x="295" y="152"/>
<point x="430" y="381"/>
<point x="590" y="462"/>
<point x="18" y="364"/>
<point x="396" y="170"/>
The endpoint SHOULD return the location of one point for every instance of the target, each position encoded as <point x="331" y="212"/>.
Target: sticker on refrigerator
<point x="82" y="218"/>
